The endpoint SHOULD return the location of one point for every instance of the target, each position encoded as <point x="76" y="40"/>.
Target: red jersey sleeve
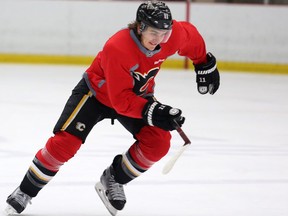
<point x="191" y="42"/>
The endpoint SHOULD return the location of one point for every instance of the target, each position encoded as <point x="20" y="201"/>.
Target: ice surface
<point x="237" y="164"/>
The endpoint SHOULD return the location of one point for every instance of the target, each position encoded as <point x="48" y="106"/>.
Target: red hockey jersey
<point x="123" y="73"/>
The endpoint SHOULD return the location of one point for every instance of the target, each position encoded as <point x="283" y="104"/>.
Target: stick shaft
<point x="183" y="135"/>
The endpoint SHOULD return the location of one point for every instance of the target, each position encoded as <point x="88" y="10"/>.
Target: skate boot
<point x="111" y="193"/>
<point x="17" y="202"/>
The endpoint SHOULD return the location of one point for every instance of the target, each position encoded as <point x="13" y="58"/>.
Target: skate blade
<point x="101" y="193"/>
<point x="9" y="210"/>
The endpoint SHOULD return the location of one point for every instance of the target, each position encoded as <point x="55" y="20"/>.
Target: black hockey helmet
<point x="154" y="14"/>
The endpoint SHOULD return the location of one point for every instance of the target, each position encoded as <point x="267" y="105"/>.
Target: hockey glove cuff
<point x="207" y="76"/>
<point x="162" y="116"/>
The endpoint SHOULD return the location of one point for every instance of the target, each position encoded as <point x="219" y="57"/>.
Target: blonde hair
<point x="133" y="25"/>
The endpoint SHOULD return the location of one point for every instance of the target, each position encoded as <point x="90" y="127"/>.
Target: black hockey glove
<point x="162" y="116"/>
<point x="207" y="76"/>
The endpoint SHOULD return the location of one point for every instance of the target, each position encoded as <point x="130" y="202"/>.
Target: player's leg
<point x="152" y="144"/>
<point x="81" y="112"/>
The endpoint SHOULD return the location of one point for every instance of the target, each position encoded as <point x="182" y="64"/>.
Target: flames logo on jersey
<point x="144" y="81"/>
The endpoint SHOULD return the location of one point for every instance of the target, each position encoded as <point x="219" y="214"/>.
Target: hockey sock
<point x="127" y="168"/>
<point x="152" y="145"/>
<point x="122" y="175"/>
<point x="58" y="150"/>
<point x="36" y="178"/>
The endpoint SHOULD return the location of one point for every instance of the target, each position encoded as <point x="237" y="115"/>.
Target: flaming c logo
<point x="143" y="81"/>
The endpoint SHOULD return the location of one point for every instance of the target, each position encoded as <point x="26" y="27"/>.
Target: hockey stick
<point x="169" y="165"/>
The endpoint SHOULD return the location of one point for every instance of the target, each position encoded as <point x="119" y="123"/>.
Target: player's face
<point x="151" y="37"/>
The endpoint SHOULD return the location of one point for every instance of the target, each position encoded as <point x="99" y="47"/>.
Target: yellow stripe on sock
<point x="39" y="174"/>
<point x="130" y="167"/>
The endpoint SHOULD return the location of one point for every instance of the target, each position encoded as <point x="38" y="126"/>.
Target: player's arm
<point x="193" y="47"/>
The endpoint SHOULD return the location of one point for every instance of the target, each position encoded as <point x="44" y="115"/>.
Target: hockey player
<point x="119" y="85"/>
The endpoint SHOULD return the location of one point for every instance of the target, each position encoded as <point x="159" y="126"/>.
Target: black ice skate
<point x="111" y="193"/>
<point x="17" y="202"/>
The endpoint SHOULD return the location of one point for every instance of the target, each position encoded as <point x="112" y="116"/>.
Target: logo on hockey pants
<point x="80" y="126"/>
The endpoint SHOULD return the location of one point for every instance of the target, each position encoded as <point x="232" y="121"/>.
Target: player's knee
<point x="154" y="142"/>
<point x="160" y="149"/>
<point x="63" y="146"/>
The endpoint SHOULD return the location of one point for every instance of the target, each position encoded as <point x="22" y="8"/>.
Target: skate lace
<point x="116" y="190"/>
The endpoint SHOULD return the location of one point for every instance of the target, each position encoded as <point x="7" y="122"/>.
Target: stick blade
<point x="170" y="164"/>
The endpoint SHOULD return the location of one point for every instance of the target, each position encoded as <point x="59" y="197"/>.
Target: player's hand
<point x="207" y="76"/>
<point x="162" y="116"/>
